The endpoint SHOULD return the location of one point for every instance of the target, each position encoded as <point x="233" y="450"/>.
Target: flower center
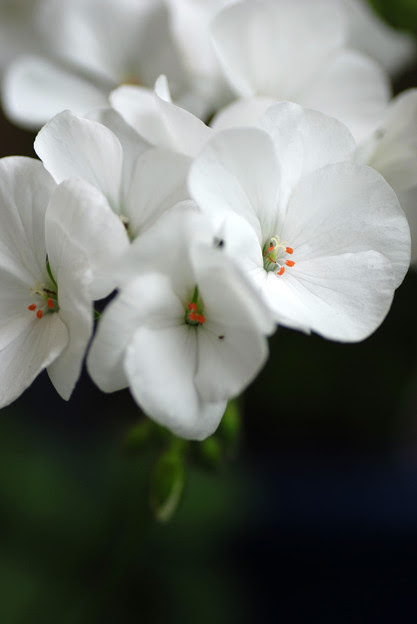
<point x="194" y="313"/>
<point x="46" y="301"/>
<point x="275" y="254"/>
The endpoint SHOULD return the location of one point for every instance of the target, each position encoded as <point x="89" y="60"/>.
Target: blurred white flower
<point x="186" y="332"/>
<point x="47" y="278"/>
<point x="392" y="150"/>
<point x="17" y="33"/>
<point x="285" y="50"/>
<point x="325" y="240"/>
<point x="93" y="46"/>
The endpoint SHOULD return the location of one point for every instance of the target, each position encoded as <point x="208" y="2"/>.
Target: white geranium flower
<point x="93" y="46"/>
<point x="286" y="50"/>
<point x="325" y="240"/>
<point x="186" y="332"/>
<point x="48" y="280"/>
<point x="138" y="181"/>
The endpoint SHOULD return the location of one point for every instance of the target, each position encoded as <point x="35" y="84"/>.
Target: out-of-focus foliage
<point x="400" y="13"/>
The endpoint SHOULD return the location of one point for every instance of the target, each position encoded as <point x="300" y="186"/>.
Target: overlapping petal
<point x="92" y="152"/>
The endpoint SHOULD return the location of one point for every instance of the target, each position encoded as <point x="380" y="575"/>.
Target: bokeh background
<point x="312" y="518"/>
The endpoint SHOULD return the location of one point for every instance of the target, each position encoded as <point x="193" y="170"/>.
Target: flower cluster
<point x="287" y="209"/>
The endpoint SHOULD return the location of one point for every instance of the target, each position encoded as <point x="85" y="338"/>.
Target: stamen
<point x="32" y="306"/>
<point x="50" y="303"/>
<point x="39" y="314"/>
<point x="274" y="253"/>
<point x="194" y="312"/>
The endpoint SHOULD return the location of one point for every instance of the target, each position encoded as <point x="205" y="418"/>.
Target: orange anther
<point x="271" y="248"/>
<point x="289" y="250"/>
<point x="281" y="271"/>
<point x="201" y="319"/>
<point x="193" y="316"/>
<point x="192" y="306"/>
<point x="289" y="263"/>
<point x="50" y="303"/>
<point x="39" y="314"/>
<point x="32" y="306"/>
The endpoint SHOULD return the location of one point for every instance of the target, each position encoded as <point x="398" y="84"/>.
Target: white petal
<point x="185" y="132"/>
<point x="395" y="153"/>
<point x="81" y="212"/>
<point x="160" y="121"/>
<point x="137" y="105"/>
<point x="343" y="297"/>
<point x="15" y="297"/>
<point x="305" y="140"/>
<point x="112" y="41"/>
<point x="148" y="300"/>
<point x="231" y="344"/>
<point x="347" y="208"/>
<point x="92" y="152"/>
<point x="274" y="48"/>
<point x="408" y="201"/>
<point x="240" y="113"/>
<point x="25" y="190"/>
<point x="238" y="171"/>
<point x="164" y="248"/>
<point x="34" y="90"/>
<point x="32" y="350"/>
<point x="70" y="267"/>
<point x="133" y="145"/>
<point x="161" y="365"/>
<point x="351" y="88"/>
<point x="158" y="183"/>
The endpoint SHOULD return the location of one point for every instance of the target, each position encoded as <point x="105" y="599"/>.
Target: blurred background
<point x="312" y="517"/>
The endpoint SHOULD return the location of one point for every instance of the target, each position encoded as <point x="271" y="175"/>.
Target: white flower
<point x="325" y="240"/>
<point x="186" y="332"/>
<point x="139" y="182"/>
<point x="90" y="47"/>
<point x="286" y="50"/>
<point x="47" y="278"/>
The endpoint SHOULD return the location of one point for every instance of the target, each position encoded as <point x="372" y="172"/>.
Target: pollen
<point x="46" y="300"/>
<point x="194" y="311"/>
<point x="275" y="254"/>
